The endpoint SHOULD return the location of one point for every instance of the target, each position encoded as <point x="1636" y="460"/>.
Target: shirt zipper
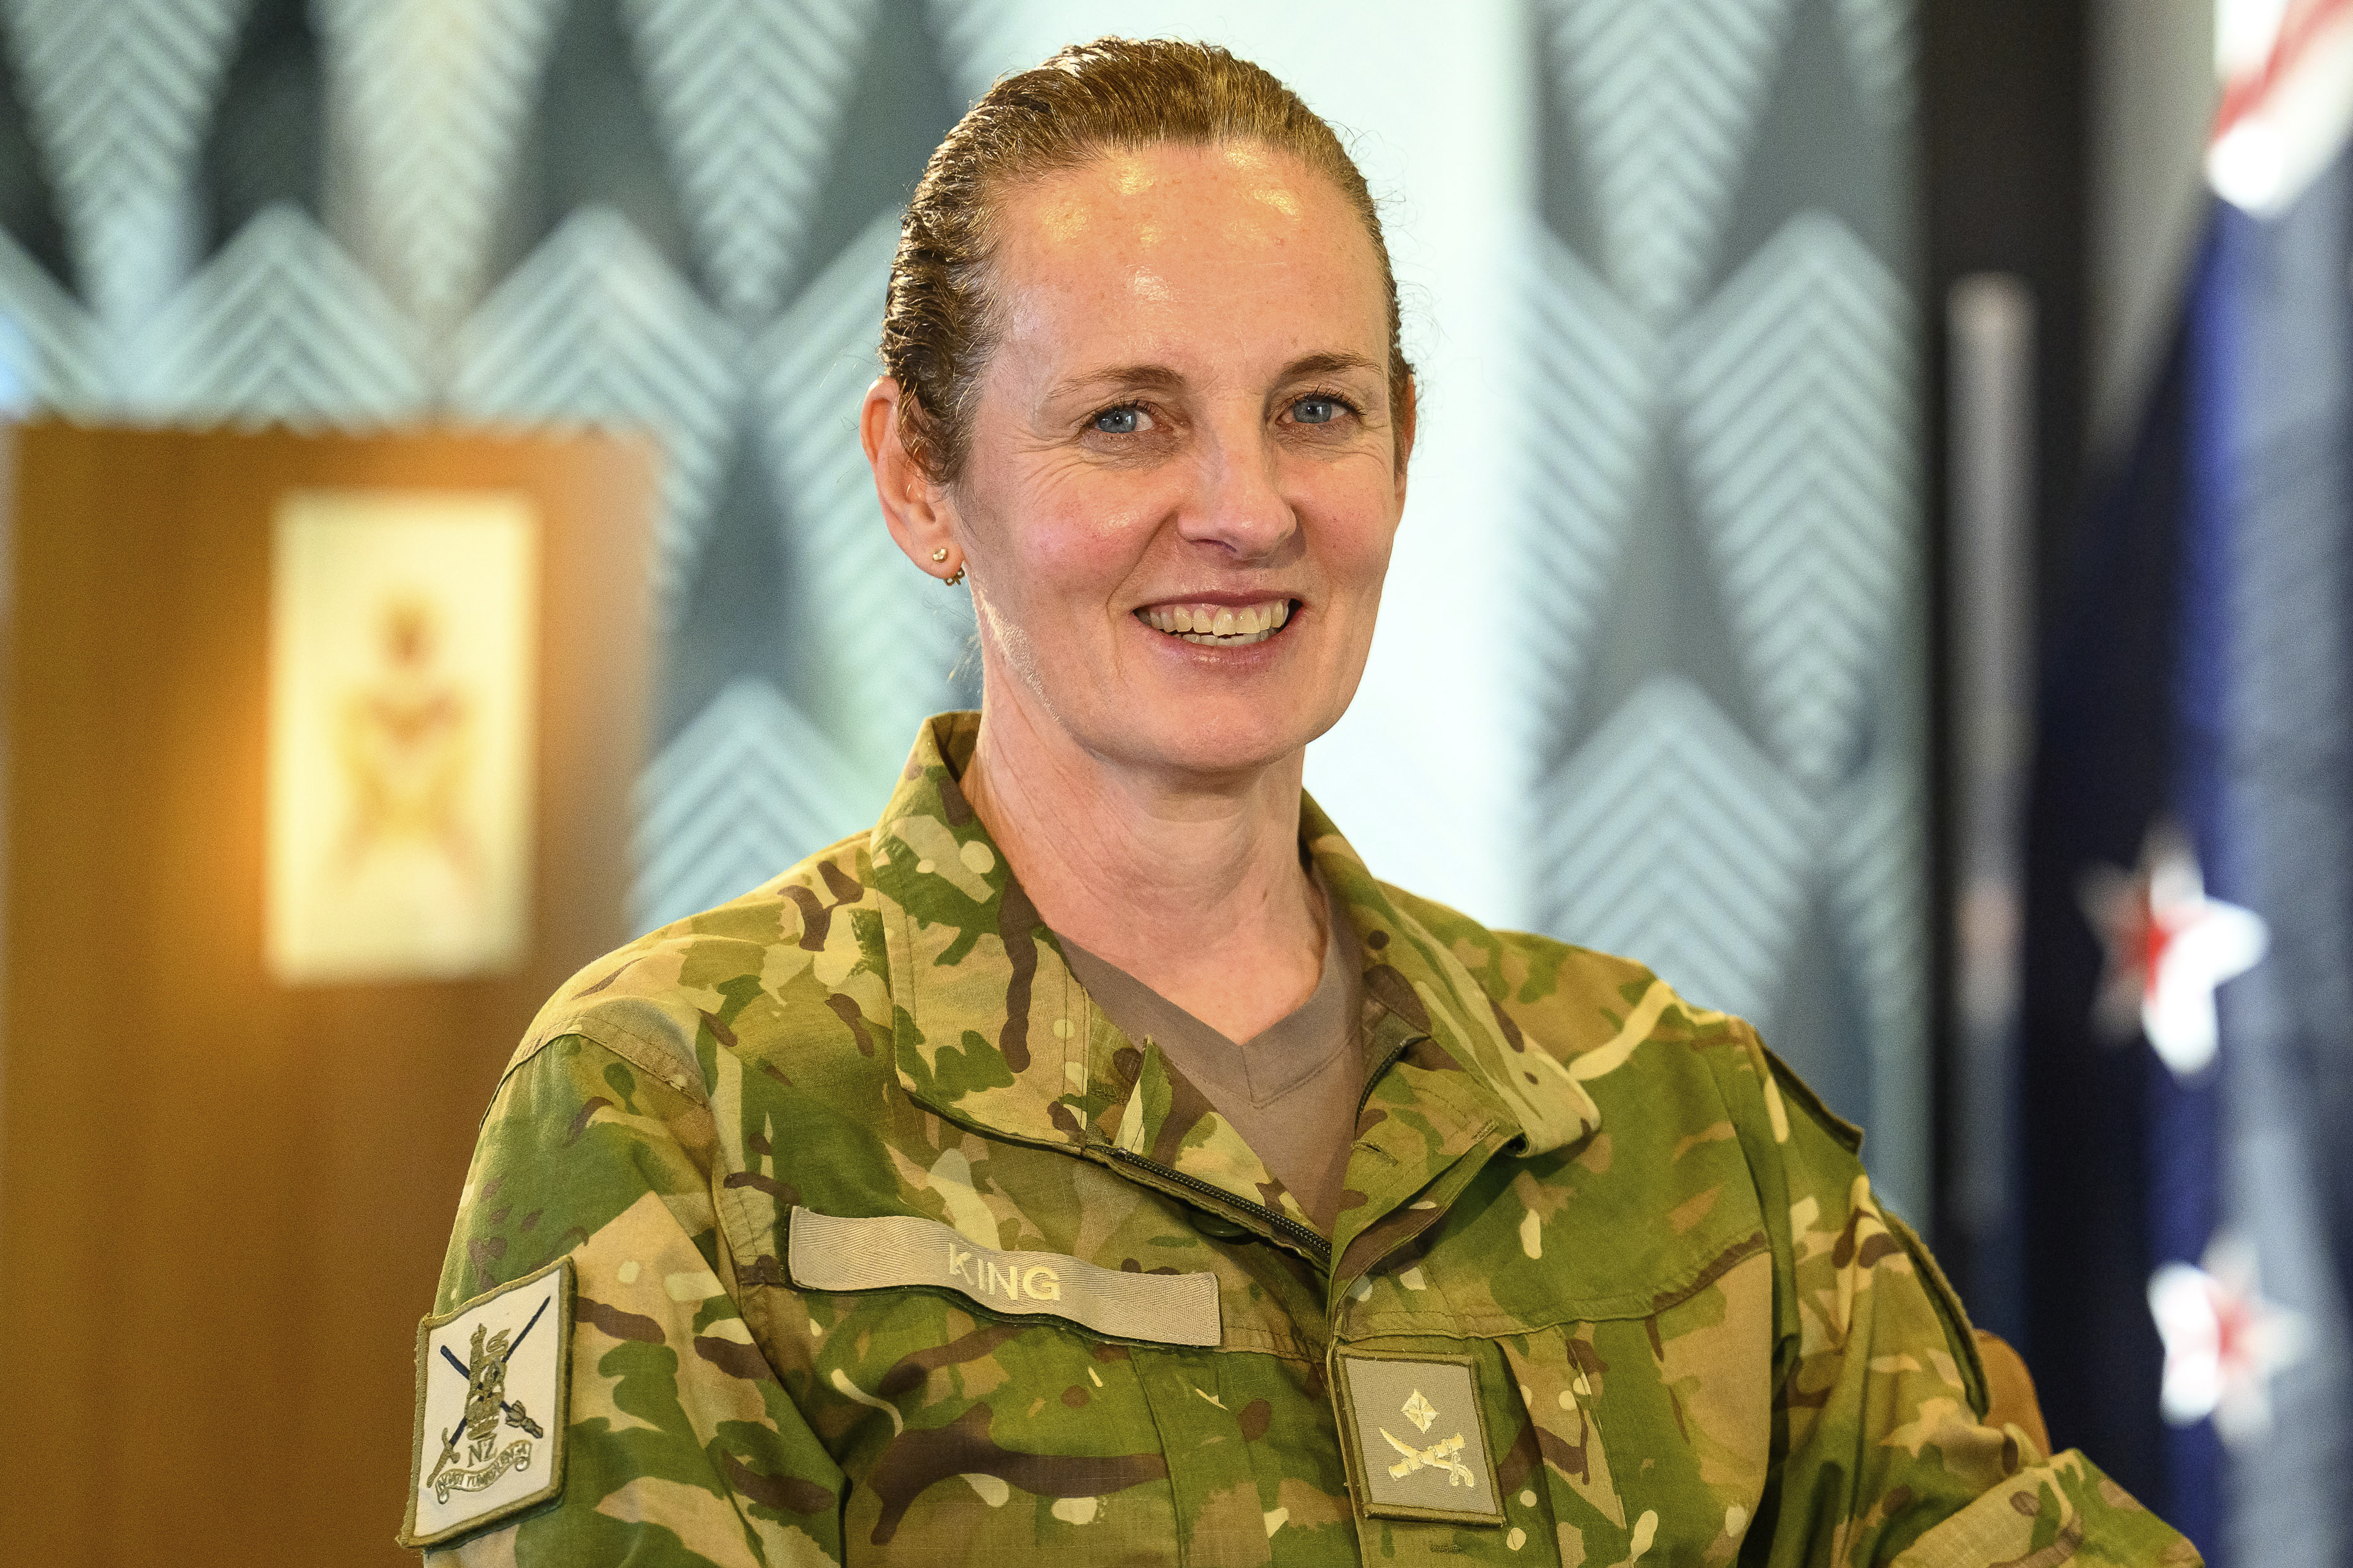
<point x="1305" y="1238"/>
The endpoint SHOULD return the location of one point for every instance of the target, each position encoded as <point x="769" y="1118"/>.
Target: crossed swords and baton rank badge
<point x="491" y="1381"/>
<point x="1417" y="1438"/>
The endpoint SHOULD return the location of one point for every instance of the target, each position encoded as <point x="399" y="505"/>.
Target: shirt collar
<point x="992" y="1028"/>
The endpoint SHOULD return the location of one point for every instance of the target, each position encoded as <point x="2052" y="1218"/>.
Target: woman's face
<point x="1183" y="473"/>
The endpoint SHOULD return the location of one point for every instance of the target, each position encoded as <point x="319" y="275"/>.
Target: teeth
<point x="1218" y="626"/>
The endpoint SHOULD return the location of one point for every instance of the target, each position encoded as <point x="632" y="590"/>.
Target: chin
<point x="1228" y="736"/>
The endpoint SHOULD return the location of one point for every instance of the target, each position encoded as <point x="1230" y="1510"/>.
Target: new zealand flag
<point x="2186" y="1071"/>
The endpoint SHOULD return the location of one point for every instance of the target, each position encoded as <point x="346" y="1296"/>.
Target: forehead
<point x="1208" y="243"/>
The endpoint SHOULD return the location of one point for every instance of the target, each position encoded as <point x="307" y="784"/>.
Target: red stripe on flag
<point x="2304" y="21"/>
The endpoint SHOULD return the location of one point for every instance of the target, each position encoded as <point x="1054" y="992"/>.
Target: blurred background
<point x="1880" y="552"/>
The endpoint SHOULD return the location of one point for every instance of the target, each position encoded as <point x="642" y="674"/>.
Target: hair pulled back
<point x="1110" y="96"/>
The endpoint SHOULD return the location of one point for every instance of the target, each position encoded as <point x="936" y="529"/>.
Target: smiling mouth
<point x="1218" y="625"/>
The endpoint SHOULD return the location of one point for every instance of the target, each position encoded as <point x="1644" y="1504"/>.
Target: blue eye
<point x="1120" y="421"/>
<point x="1316" y="410"/>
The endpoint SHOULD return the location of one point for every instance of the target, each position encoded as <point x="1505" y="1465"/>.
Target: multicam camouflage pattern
<point x="1695" y="1336"/>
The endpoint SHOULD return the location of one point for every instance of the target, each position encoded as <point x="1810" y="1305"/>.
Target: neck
<point x="1192" y="885"/>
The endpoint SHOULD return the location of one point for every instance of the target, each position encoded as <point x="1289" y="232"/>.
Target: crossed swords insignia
<point x="1439" y="1455"/>
<point x="486" y="1382"/>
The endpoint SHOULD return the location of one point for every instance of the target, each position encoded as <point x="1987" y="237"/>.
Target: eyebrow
<point x="1161" y="377"/>
<point x="1156" y="376"/>
<point x="1326" y="364"/>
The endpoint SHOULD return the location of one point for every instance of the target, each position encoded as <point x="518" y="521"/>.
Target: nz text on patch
<point x="829" y="1252"/>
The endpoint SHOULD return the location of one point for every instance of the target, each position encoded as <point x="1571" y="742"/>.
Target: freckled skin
<point x="1221" y="270"/>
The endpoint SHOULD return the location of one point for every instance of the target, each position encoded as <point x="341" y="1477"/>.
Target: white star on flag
<point x="2223" y="1341"/>
<point x="2169" y="946"/>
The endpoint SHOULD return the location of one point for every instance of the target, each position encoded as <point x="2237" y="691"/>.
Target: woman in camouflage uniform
<point x="1093" y="1161"/>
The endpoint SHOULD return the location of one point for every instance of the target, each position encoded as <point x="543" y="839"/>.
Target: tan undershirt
<point x="1290" y="1090"/>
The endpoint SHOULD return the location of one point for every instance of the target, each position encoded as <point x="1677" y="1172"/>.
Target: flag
<point x="2185" y="1079"/>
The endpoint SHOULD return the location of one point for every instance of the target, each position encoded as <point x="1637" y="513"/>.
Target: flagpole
<point x="1989" y="323"/>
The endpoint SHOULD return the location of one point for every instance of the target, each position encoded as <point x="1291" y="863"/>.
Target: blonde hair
<point x="1089" y="99"/>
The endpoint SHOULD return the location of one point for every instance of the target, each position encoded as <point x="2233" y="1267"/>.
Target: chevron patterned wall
<point x="1689" y="730"/>
<point x="1727" y="702"/>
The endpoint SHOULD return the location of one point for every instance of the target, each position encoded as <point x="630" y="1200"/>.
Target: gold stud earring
<point x="958" y="578"/>
<point x="941" y="553"/>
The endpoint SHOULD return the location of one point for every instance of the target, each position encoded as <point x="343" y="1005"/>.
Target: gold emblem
<point x="1437" y="1456"/>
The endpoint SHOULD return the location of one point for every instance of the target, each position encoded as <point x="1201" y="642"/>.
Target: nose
<point x="1239" y="502"/>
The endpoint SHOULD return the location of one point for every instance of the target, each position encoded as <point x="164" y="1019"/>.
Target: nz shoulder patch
<point x="492" y="1382"/>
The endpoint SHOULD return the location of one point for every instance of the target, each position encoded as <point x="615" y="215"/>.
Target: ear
<point x="916" y="511"/>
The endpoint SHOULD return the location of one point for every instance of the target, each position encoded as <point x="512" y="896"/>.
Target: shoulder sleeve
<point x="683" y="1444"/>
<point x="1887" y="1454"/>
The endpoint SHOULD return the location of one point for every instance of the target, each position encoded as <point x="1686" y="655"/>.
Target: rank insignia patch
<point x="1417" y="1437"/>
<point x="492" y="1384"/>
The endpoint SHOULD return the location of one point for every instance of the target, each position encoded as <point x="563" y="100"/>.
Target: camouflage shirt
<point x="888" y="1247"/>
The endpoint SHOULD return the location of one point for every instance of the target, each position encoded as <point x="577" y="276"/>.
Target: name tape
<point x="829" y="1252"/>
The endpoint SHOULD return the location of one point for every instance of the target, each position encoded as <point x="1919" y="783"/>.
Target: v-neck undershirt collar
<point x="1290" y="1089"/>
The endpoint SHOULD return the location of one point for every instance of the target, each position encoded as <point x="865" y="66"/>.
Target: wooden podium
<point x="229" y="1155"/>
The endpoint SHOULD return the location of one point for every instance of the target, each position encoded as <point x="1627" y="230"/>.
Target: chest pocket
<point x="1651" y="1434"/>
<point x="1629" y="1346"/>
<point x="971" y="1435"/>
<point x="960" y="1388"/>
